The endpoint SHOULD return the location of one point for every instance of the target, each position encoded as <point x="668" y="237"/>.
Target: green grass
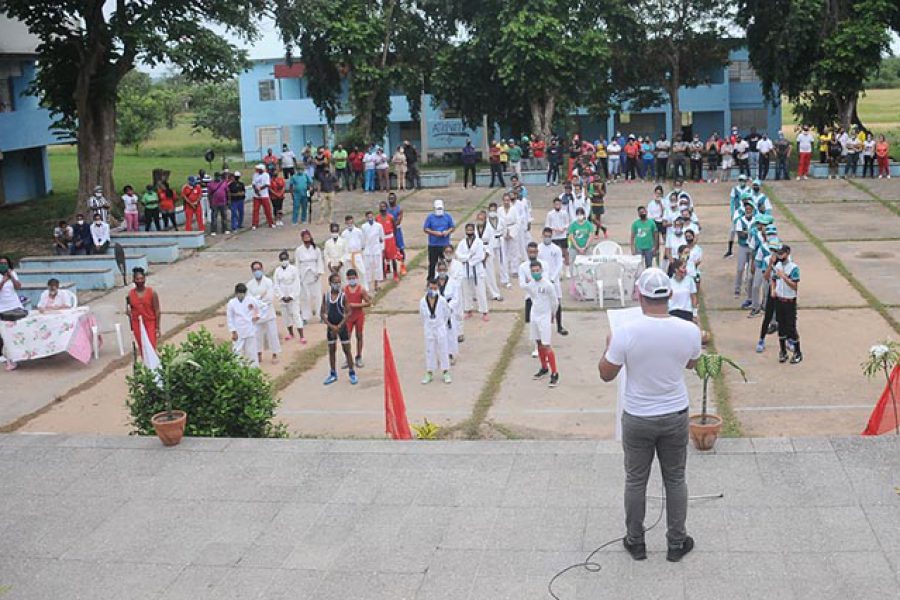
<point x="731" y="426"/>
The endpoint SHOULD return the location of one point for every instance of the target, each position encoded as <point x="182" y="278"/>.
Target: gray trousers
<point x="756" y="289"/>
<point x="667" y="437"/>
<point x="743" y="264"/>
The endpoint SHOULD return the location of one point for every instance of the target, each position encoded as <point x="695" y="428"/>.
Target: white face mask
<point x="285" y="263"/>
<point x="334" y="236"/>
<point x="439" y="211"/>
<point x="493" y="214"/>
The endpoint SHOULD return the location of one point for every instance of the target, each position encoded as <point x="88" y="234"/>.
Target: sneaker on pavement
<point x="562" y="331"/>
<point x="638" y="550"/>
<point x="359" y="362"/>
<point x="353" y="378"/>
<point x="303" y="340"/>
<point x="427" y="379"/>
<point x="554" y="380"/>
<point x="754" y="313"/>
<point x="676" y="553"/>
<point x="782" y="357"/>
<point x="485" y="317"/>
<point x="540" y="374"/>
<point x="728" y="254"/>
<point x="332" y="377"/>
<point x="797" y="357"/>
<point x="447" y="378"/>
<point x="746" y="304"/>
<point x="761" y="346"/>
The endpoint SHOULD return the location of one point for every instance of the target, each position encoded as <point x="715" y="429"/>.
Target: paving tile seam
<point x="889" y="205"/>
<point x="836" y="262"/>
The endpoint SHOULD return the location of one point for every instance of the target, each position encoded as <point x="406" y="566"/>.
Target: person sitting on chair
<point x="54" y="299"/>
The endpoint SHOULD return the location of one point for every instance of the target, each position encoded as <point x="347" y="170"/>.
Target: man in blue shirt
<point x="439" y="226"/>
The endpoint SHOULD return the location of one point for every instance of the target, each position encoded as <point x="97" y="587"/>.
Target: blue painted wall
<point x="295" y="118"/>
<point x="24" y="134"/>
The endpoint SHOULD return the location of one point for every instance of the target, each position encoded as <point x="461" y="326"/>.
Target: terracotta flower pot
<point x="169" y="431"/>
<point x="704" y="435"/>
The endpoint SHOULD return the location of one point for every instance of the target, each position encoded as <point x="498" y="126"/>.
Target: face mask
<point x="493" y="214"/>
<point x="240" y="297"/>
<point x="353" y="282"/>
<point x="442" y="275"/>
<point x="382" y="211"/>
<point x="80" y="221"/>
<point x="643" y="216"/>
<point x="536" y="276"/>
<point x="285" y="264"/>
<point x="334" y="236"/>
<point x="678" y="231"/>
<point x="439" y="211"/>
<point x="335" y="287"/>
<point x="432" y="293"/>
<point x="547" y="241"/>
<point x="257" y="275"/>
<point x="371" y="220"/>
<point x="350" y="227"/>
<point x="448" y="257"/>
<point x="98" y="194"/>
<point x="4" y="268"/>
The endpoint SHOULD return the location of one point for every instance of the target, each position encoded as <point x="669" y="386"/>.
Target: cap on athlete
<point x="742" y="177"/>
<point x="260" y="167"/>
<point x="654" y="283"/>
<point x="775" y="246"/>
<point x="764" y="219"/>
<point x="439" y="203"/>
<point x="757" y="182"/>
<point x="771" y="229"/>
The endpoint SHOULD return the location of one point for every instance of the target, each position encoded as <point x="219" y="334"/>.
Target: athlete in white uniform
<point x="552" y="256"/>
<point x="263" y="289"/>
<point x="287" y="290"/>
<point x="241" y="315"/>
<point x="488" y="235"/>
<point x="544" y="303"/>
<point x="373" y="252"/>
<point x="470" y="253"/>
<point x="435" y="313"/>
<point x="510" y="248"/>
<point x="353" y="257"/>
<point x="310" y="266"/>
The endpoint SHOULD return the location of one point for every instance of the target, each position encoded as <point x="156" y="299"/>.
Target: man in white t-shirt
<point x="805" y="141"/>
<point x="288" y="162"/>
<point x="655" y="348"/>
<point x="261" y="182"/>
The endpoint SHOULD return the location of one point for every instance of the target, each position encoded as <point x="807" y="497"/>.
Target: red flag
<point x="884" y="417"/>
<point x="395" y="422"/>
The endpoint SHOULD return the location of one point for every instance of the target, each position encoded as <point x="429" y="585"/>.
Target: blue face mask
<point x="353" y="282"/>
<point x="257" y="275"/>
<point x="432" y="293"/>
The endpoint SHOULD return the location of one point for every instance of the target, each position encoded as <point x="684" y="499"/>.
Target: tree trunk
<point x="846" y="106"/>
<point x="674" y="84"/>
<point x="542" y="114"/>
<point x="96" y="149"/>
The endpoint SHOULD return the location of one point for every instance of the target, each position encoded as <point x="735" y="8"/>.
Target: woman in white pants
<point x="310" y="267"/>
<point x="435" y="312"/>
<point x="287" y="289"/>
<point x="263" y="289"/>
<point x="452" y="293"/>
<point x="470" y="253"/>
<point x="487" y="234"/>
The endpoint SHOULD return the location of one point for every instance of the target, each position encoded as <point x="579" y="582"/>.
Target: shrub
<point x="223" y="397"/>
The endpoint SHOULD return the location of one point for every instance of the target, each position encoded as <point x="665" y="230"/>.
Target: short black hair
<point x="535" y="263"/>
<point x="348" y="218"/>
<point x="240" y="289"/>
<point x="138" y="271"/>
<point x="533" y="244"/>
<point x="785" y="249"/>
<point x="53" y="281"/>
<point x="640" y="208"/>
<point x="351" y="273"/>
<point x="256" y="262"/>
<point x="283" y="253"/>
<point x="547" y="230"/>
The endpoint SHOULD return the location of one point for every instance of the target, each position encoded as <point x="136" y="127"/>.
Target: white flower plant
<point x="882" y="359"/>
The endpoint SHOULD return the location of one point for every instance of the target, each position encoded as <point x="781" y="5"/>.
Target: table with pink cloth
<point x="45" y="334"/>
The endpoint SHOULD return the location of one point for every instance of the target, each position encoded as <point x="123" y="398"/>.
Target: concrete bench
<point x="156" y="252"/>
<point x="184" y="239"/>
<point x="90" y="261"/>
<point x="84" y="278"/>
<point x="437" y="179"/>
<point x="32" y="291"/>
<point x="819" y="170"/>
<point x="528" y="177"/>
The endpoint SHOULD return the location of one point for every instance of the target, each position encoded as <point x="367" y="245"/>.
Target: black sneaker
<point x="782" y="356"/>
<point x="773" y="327"/>
<point x="727" y="254"/>
<point x="676" y="554"/>
<point x="797" y="357"/>
<point x="540" y="374"/>
<point x="554" y="380"/>
<point x="638" y="551"/>
<point x="562" y="331"/>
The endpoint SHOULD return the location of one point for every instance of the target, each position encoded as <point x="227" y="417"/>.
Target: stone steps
<point x="183" y="239"/>
<point x="102" y="278"/>
<point x="90" y="261"/>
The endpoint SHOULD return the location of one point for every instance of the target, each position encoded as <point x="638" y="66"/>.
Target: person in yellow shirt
<point x="824" y="140"/>
<point x="600" y="154"/>
<point x="504" y="155"/>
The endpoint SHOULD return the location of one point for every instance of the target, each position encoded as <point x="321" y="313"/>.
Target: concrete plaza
<point x="122" y="518"/>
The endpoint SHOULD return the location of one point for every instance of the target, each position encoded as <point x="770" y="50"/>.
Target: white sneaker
<point x="534" y="353"/>
<point x="213" y="234"/>
<point x="227" y="233"/>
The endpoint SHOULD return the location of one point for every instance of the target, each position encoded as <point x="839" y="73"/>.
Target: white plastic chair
<point x="607" y="248"/>
<point x="107" y="321"/>
<point x="610" y="274"/>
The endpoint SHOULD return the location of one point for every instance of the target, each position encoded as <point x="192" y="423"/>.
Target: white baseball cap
<point x="237" y="173"/>
<point x="439" y="203"/>
<point x="654" y="283"/>
<point x="260" y="167"/>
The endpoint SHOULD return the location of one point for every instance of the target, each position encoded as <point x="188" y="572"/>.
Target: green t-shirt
<point x="150" y="200"/>
<point x="644" y="234"/>
<point x="340" y="159"/>
<point x="581" y="232"/>
<point x="515" y="154"/>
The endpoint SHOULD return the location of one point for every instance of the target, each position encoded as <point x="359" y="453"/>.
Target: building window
<point x="741" y="71"/>
<point x="745" y="118"/>
<point x="267" y="90"/>
<point x="687" y="118"/>
<point x="451" y="113"/>
<point x="7" y="97"/>
<point x="267" y="137"/>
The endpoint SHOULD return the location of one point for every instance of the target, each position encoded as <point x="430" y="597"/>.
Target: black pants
<point x="151" y="215"/>
<point x="497" y="174"/>
<point x="434" y="255"/>
<point x="413" y="178"/>
<point x="678" y="168"/>
<point x="466" y="170"/>
<point x="630" y="168"/>
<point x="868" y="165"/>
<point x="358" y="179"/>
<point x="662" y="165"/>
<point x="769" y="315"/>
<point x="603" y="163"/>
<point x="786" y="313"/>
<point x="169" y="217"/>
<point x="277" y="206"/>
<point x="744" y="166"/>
<point x="763" y="166"/>
<point x="696" y="169"/>
<point x="553" y="173"/>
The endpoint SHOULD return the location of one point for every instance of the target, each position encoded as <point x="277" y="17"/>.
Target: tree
<point x="86" y="48"/>
<point x="522" y="63"/>
<point x="217" y="108"/>
<point x="139" y="110"/>
<point x="818" y="53"/>
<point x="375" y="46"/>
<point x="683" y="41"/>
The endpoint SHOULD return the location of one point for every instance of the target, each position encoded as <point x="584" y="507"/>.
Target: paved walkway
<point x="123" y="518"/>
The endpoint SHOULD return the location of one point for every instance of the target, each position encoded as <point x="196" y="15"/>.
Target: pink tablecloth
<point x="39" y="335"/>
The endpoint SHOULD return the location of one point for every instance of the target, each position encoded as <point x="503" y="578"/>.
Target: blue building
<point x="24" y="125"/>
<point x="276" y="109"/>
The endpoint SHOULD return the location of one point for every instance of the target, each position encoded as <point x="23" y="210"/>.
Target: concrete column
<point x="423" y="130"/>
<point x="485" y="140"/>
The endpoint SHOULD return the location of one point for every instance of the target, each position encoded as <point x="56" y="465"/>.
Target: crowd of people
<point x="838" y="147"/>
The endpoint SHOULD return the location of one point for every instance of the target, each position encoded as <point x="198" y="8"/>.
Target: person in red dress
<point x="392" y="254"/>
<point x="357" y="300"/>
<point x="143" y="303"/>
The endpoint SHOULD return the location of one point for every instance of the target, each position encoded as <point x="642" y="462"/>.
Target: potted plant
<point x="705" y="427"/>
<point x="169" y="424"/>
<point x="883" y="358"/>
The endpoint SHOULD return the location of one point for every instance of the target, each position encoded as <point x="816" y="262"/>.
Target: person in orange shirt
<point x="276" y="191"/>
<point x="191" y="195"/>
<point x="166" y="197"/>
<point x="142" y="305"/>
<point x="270" y="159"/>
<point x="881" y="155"/>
